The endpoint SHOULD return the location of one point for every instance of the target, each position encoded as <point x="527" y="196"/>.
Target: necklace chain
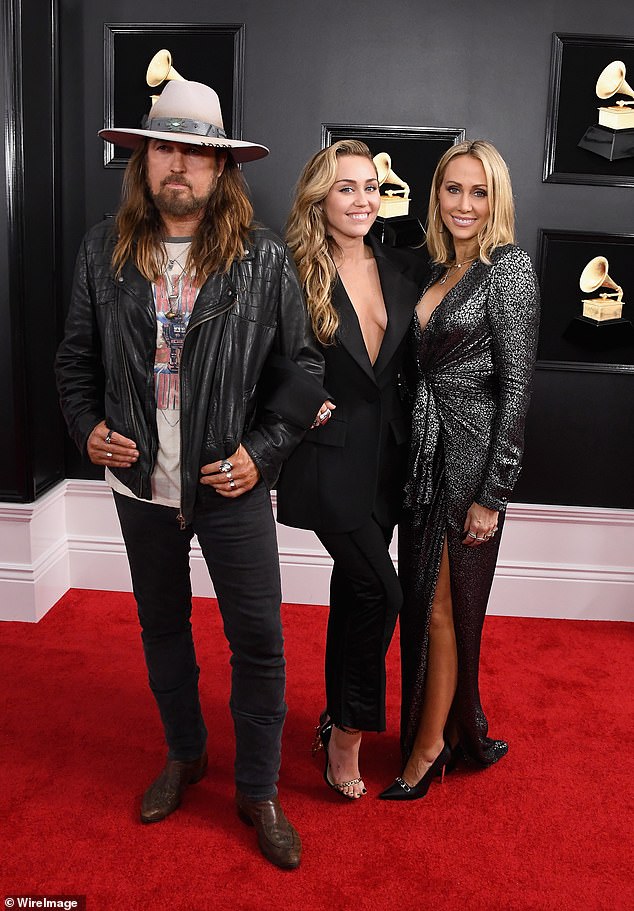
<point x="174" y="285"/>
<point x="453" y="266"/>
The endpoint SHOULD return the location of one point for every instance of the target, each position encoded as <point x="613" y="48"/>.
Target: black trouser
<point x="238" y="541"/>
<point x="365" y="599"/>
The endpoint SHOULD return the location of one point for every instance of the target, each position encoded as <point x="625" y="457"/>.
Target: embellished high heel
<point x="317" y="744"/>
<point x="400" y="790"/>
<point x="324" y="732"/>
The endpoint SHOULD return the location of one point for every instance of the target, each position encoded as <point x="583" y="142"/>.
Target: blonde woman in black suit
<point x="345" y="479"/>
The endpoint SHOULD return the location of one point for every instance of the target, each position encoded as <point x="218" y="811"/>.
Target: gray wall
<point x="482" y="66"/>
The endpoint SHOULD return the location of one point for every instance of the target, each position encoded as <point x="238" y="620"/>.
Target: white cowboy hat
<point x="186" y="112"/>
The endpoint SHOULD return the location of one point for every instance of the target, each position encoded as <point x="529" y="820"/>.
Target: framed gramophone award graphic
<point x="590" y="124"/>
<point x="587" y="316"/>
<point x="405" y="159"/>
<point x="140" y="58"/>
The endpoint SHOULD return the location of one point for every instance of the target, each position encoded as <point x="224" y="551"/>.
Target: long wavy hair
<point x="500" y="226"/>
<point x="306" y="234"/>
<point x="219" y="240"/>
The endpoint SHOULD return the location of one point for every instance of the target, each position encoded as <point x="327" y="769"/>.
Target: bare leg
<point x="440" y="683"/>
<point x="343" y="756"/>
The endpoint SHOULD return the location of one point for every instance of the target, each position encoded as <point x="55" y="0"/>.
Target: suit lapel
<point x="349" y="332"/>
<point x="399" y="294"/>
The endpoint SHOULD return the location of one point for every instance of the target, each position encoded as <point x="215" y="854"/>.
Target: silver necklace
<point x="171" y="261"/>
<point x="174" y="288"/>
<point x="451" y="268"/>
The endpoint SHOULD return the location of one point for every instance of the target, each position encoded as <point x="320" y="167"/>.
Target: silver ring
<point x="472" y="535"/>
<point x="108" y="437"/>
<point x="225" y="466"/>
<point x="480" y="539"/>
<point x="232" y="484"/>
<point x="109" y="455"/>
<point x="324" y="415"/>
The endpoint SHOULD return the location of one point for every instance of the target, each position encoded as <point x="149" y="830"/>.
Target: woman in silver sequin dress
<point x="473" y="351"/>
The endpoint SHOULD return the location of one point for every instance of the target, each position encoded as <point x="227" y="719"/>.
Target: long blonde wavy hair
<point x="307" y="238"/>
<point x="500" y="226"/>
<point x="218" y="241"/>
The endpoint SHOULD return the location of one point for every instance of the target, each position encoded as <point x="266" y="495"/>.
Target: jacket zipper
<point x="125" y="370"/>
<point x="180" y="518"/>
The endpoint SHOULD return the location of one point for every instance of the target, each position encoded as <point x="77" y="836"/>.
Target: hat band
<point x="183" y="125"/>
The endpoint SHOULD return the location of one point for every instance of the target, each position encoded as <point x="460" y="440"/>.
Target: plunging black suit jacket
<point x="354" y="466"/>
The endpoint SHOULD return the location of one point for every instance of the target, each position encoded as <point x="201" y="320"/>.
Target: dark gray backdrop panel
<point x="481" y="66"/>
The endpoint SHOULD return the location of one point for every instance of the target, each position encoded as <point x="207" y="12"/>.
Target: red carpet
<point x="549" y="829"/>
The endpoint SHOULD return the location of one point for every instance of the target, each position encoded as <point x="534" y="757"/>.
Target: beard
<point x="178" y="203"/>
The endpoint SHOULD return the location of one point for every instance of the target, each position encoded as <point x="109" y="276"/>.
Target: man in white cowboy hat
<point x="184" y="316"/>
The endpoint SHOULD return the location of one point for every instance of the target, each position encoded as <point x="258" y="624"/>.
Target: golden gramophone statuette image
<point x="607" y="305"/>
<point x="393" y="202"/>
<point x="613" y="136"/>
<point x="394" y="226"/>
<point x="161" y="70"/>
<point x="612" y="82"/>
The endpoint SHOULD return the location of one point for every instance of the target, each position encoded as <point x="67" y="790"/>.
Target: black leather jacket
<point x="105" y="363"/>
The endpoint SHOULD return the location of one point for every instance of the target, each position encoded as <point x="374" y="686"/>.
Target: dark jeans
<point x="365" y="599"/>
<point x="239" y="545"/>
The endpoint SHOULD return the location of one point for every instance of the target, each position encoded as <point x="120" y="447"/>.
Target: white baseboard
<point x="566" y="562"/>
<point x="34" y="571"/>
<point x="555" y="561"/>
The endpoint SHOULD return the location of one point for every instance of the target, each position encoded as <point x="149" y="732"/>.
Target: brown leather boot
<point x="277" y="838"/>
<point x="164" y="795"/>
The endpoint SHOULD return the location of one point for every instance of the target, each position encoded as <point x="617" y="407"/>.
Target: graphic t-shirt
<point x="174" y="297"/>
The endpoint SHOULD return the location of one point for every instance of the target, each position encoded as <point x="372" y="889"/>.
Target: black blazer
<point x="354" y="466"/>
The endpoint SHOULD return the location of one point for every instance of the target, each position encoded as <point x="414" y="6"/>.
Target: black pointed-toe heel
<point x="457" y="756"/>
<point x="400" y="790"/>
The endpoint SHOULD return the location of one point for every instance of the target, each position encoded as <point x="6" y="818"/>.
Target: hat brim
<point x="240" y="150"/>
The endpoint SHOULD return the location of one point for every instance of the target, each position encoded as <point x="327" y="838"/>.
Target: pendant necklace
<point x="174" y="289"/>
<point x="451" y="268"/>
<point x="171" y="261"/>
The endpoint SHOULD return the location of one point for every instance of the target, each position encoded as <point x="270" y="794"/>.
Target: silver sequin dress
<point x="473" y="365"/>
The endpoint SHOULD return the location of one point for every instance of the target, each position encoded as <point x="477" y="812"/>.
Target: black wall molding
<point x="31" y="434"/>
